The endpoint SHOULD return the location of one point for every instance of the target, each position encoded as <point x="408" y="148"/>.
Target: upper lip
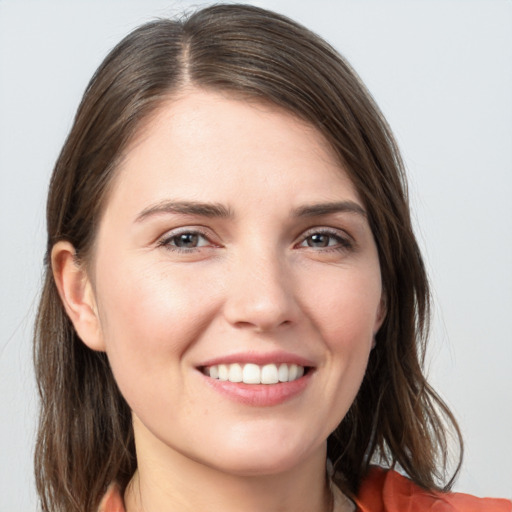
<point x="260" y="359"/>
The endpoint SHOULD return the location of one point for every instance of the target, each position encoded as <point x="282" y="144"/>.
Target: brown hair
<point x="85" y="437"/>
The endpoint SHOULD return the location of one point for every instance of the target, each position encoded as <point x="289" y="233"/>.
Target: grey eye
<point x="326" y="240"/>
<point x="320" y="240"/>
<point x="186" y="240"/>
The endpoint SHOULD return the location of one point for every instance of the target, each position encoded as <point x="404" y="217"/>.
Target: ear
<point x="381" y="315"/>
<point x="76" y="292"/>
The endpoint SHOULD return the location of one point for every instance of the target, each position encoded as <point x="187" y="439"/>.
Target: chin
<point x="258" y="459"/>
<point x="261" y="465"/>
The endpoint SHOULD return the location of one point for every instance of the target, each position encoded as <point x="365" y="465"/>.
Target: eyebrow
<point x="185" y="207"/>
<point x="316" y="210"/>
<point x="220" y="211"/>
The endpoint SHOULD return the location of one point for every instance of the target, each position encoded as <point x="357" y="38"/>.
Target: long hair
<point x="85" y="438"/>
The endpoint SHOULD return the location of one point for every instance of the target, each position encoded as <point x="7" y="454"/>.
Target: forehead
<point x="207" y="143"/>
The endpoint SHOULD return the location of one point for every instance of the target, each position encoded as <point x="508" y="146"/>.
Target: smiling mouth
<point x="251" y="373"/>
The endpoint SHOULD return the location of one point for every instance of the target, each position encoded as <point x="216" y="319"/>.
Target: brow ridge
<point x="186" y="208"/>
<point x="320" y="209"/>
<point x="212" y="210"/>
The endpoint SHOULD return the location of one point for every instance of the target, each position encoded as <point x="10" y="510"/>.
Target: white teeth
<point x="269" y="374"/>
<point x="223" y="372"/>
<point x="253" y="374"/>
<point x="214" y="372"/>
<point x="283" y="373"/>
<point x="235" y="373"/>
<point x="292" y="372"/>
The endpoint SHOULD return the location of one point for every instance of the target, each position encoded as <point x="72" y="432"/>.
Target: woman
<point x="235" y="307"/>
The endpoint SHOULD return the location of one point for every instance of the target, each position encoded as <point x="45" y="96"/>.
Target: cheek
<point x="151" y="318"/>
<point x="346" y="307"/>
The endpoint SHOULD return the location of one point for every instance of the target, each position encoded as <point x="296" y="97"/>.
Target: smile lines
<point x="254" y="374"/>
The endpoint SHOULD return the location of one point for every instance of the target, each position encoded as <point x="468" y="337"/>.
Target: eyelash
<point x="343" y="243"/>
<point x="166" y="241"/>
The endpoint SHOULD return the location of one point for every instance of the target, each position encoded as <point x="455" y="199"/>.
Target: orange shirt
<point x="388" y="491"/>
<point x="382" y="491"/>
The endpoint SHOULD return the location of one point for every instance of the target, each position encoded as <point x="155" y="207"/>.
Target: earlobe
<point x="76" y="293"/>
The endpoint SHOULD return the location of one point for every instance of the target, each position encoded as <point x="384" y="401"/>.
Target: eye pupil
<point x="318" y="240"/>
<point x="186" y="240"/>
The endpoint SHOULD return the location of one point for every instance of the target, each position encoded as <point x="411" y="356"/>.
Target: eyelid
<point x="326" y="230"/>
<point x="165" y="239"/>
<point x="346" y="240"/>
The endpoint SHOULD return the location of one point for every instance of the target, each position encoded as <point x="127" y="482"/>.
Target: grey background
<point x="441" y="70"/>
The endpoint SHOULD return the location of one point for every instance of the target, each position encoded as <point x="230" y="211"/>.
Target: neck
<point x="167" y="481"/>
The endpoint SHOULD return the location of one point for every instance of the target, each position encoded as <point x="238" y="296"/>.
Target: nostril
<point x="262" y="325"/>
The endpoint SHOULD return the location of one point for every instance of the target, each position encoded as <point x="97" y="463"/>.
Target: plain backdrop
<point x="441" y="72"/>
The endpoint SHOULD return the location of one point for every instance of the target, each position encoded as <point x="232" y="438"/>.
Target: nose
<point x="260" y="293"/>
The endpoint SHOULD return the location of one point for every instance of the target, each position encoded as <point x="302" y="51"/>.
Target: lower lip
<point x="260" y="395"/>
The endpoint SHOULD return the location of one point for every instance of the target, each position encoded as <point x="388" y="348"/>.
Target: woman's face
<point x="234" y="247"/>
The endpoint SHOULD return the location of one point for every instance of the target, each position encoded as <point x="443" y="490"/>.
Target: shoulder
<point x="381" y="491"/>
<point x="388" y="491"/>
